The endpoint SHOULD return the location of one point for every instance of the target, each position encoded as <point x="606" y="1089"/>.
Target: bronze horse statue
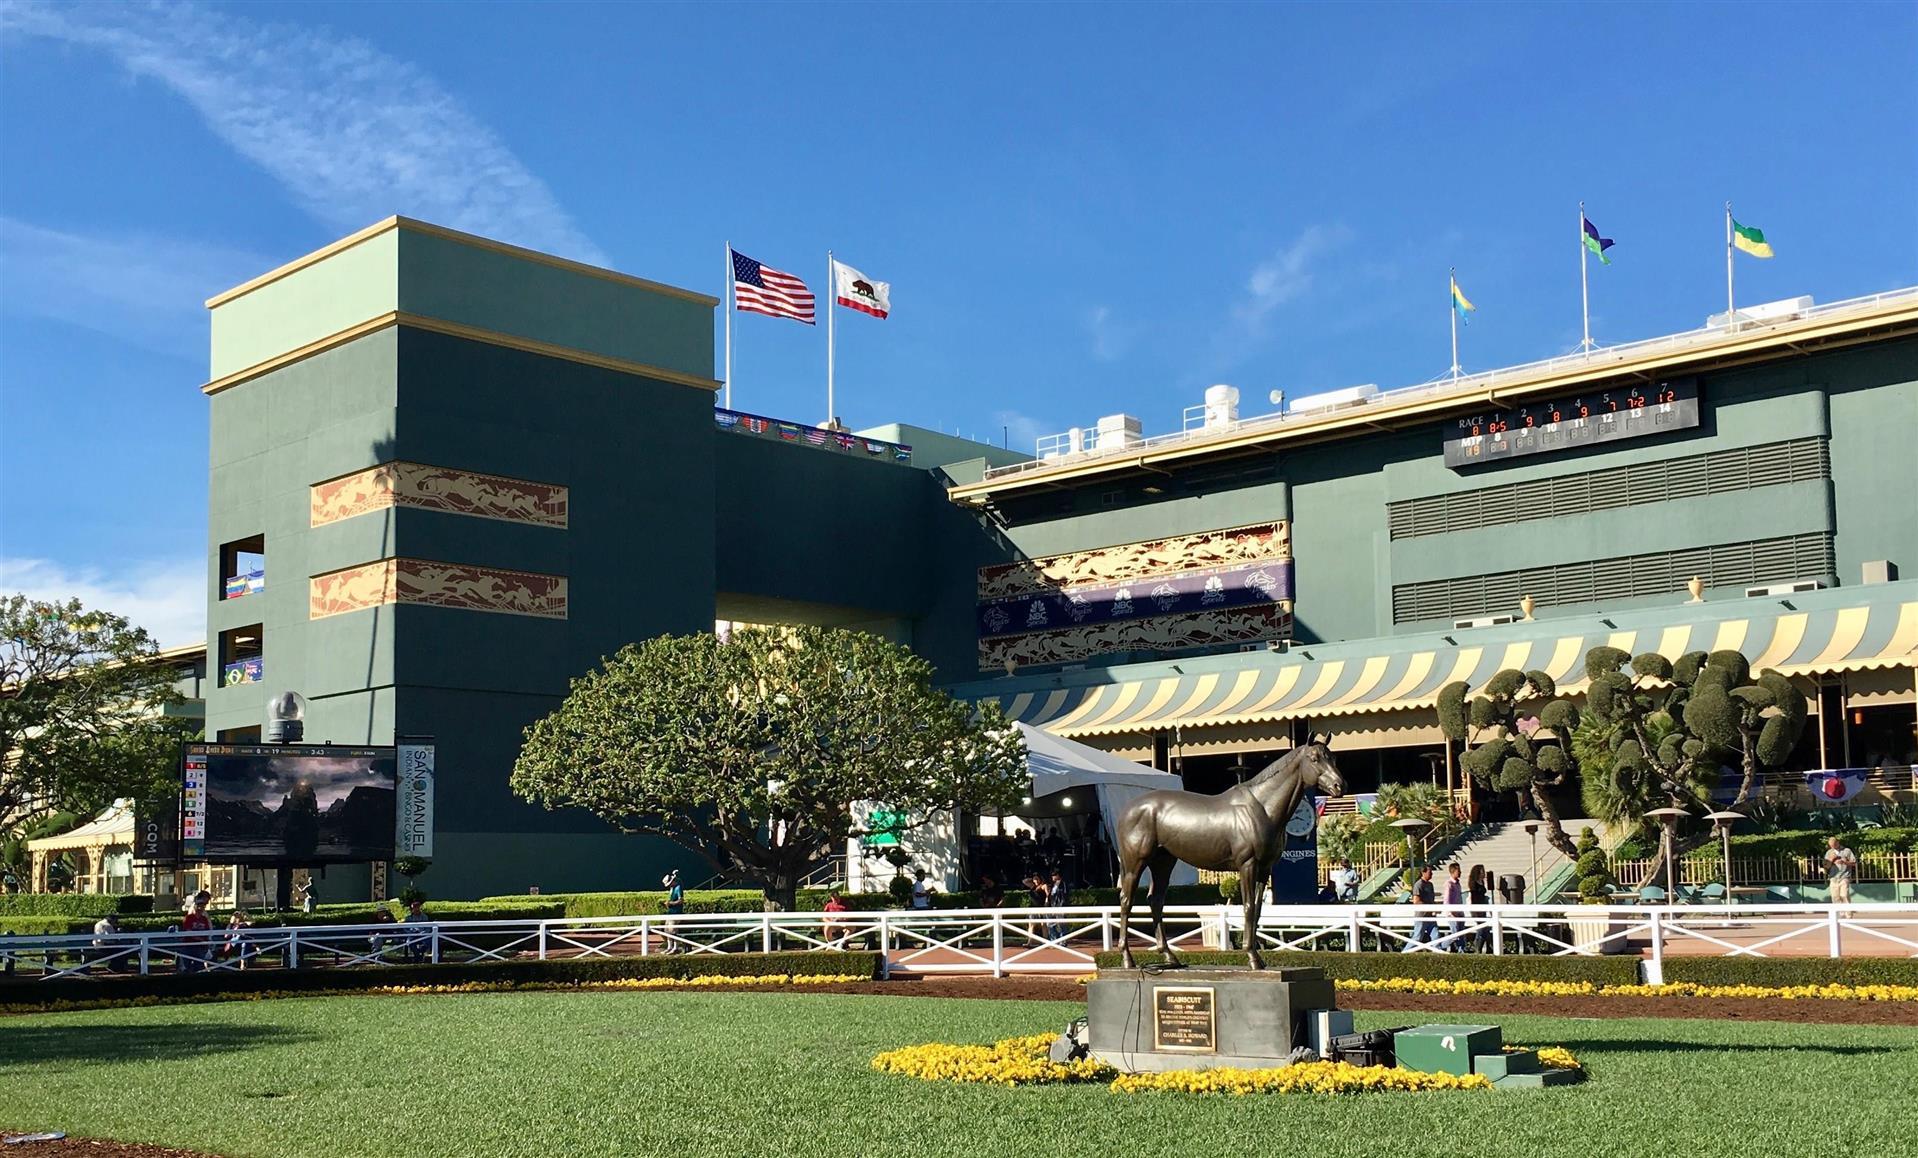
<point x="1242" y="829"/>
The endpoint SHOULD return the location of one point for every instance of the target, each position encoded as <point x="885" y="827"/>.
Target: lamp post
<point x="1531" y="830"/>
<point x="1412" y="826"/>
<point x="1667" y="818"/>
<point x="1723" y="821"/>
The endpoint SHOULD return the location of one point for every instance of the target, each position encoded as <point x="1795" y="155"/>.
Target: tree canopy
<point x="753" y="750"/>
<point x="1522" y="730"/>
<point x="82" y="712"/>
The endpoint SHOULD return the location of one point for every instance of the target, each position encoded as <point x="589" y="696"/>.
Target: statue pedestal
<point x="1179" y="1019"/>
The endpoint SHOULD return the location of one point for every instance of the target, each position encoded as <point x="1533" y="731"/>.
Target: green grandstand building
<point x="448" y="474"/>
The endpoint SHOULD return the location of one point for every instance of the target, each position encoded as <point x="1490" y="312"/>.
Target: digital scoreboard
<point x="1569" y="423"/>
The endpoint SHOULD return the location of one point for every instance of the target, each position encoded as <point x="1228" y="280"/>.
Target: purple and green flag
<point x="1594" y="242"/>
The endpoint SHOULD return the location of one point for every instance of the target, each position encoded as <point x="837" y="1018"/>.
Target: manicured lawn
<point x="687" y="1074"/>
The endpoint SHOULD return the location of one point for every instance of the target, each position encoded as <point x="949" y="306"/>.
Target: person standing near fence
<point x="1454" y="897"/>
<point x="1423" y="925"/>
<point x="1479" y="887"/>
<point x="1841" y="864"/>
<point x="1345" y="879"/>
<point x="193" y="952"/>
<point x="1058" y="896"/>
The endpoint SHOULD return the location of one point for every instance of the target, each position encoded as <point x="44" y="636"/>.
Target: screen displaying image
<point x="299" y="804"/>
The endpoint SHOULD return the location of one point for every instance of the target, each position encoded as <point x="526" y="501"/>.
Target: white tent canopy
<point x="1058" y="764"/>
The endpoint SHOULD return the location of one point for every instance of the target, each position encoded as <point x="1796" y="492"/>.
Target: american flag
<point x="761" y="289"/>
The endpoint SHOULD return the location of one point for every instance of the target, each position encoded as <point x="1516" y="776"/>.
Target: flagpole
<point x="832" y="333"/>
<point x="727" y="303"/>
<point x="1731" y="311"/>
<point x="1452" y="275"/>
<point x="1584" y="287"/>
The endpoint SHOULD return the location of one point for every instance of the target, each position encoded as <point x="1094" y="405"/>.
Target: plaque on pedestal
<point x="1140" y="1020"/>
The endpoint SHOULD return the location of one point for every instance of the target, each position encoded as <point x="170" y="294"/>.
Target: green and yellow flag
<point x="1750" y="240"/>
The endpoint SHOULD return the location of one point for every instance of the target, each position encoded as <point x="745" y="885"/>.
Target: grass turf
<point x="690" y="1074"/>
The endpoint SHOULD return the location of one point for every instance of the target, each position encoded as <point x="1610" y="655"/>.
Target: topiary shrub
<point x="1592" y="868"/>
<point x="900" y="888"/>
<point x="1229" y="889"/>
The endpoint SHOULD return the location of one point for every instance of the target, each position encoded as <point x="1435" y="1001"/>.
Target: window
<point x="243" y="567"/>
<point x="243" y="655"/>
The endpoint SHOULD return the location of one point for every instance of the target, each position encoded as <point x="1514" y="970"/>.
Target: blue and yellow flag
<point x="1460" y="303"/>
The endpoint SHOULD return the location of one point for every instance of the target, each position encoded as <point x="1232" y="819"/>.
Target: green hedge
<point x="524" y="909"/>
<point x="14" y="926"/>
<point x="93" y="905"/>
<point x="1782" y="971"/>
<point x="537" y="973"/>
<point x="653" y="903"/>
<point x="1445" y="966"/>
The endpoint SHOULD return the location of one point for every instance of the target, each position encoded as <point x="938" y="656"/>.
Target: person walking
<point x="193" y="951"/>
<point x="1480" y="889"/>
<point x="675" y="906"/>
<point x="103" y="932"/>
<point x="1345" y="879"/>
<point x="1841" y="865"/>
<point x="1423" y="925"/>
<point x="1058" y="896"/>
<point x="1454" y="897"/>
<point x="922" y="891"/>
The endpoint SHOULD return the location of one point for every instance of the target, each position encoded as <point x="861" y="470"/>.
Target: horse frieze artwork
<point x="1240" y="830"/>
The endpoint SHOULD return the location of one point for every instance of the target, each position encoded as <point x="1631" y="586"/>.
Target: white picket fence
<point x="1002" y="941"/>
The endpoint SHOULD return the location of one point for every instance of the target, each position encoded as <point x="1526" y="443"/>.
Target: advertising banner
<point x="413" y="835"/>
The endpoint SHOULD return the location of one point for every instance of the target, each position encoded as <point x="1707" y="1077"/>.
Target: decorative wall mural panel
<point x="438" y="488"/>
<point x="1127" y="561"/>
<point x="1162" y="595"/>
<point x="1142" y="598"/>
<point x="437" y="584"/>
<point x="1168" y="633"/>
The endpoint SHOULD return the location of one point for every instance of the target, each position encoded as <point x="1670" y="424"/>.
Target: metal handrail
<point x="1466" y="385"/>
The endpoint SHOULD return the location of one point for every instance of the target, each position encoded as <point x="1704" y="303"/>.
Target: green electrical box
<point x="1445" y="1049"/>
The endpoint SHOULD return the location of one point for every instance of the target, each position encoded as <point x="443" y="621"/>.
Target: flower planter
<point x="1590" y="930"/>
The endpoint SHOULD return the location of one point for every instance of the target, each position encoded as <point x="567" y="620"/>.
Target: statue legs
<point x="1162" y="864"/>
<point x="1252" y="895"/>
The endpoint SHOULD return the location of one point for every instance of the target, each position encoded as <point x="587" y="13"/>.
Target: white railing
<point x="1001" y="941"/>
<point x="1470" y="384"/>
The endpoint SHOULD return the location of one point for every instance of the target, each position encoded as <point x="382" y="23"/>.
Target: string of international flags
<point x="757" y="288"/>
<point x="1738" y="237"/>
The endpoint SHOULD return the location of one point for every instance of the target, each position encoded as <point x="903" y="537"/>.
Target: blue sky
<point x="1082" y="209"/>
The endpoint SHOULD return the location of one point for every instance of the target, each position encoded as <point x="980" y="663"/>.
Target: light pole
<point x="1723" y="821"/>
<point x="1531" y="830"/>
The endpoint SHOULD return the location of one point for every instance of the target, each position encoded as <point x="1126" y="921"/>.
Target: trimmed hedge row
<point x="653" y="902"/>
<point x="1784" y="971"/>
<point x="569" y="972"/>
<point x="1437" y="966"/>
<point x="93" y="905"/>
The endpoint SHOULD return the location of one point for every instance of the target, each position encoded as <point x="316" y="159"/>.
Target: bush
<point x="553" y="973"/>
<point x="15" y="926"/>
<point x="94" y="905"/>
<point x="1229" y="889"/>
<point x="1782" y="971"/>
<point x="1447" y="966"/>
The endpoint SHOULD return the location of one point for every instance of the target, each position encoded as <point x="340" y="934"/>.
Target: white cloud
<point x="1110" y="339"/>
<point x="1287" y="274"/>
<point x="353" y="134"/>
<point x="147" y="290"/>
<point x="167" y="597"/>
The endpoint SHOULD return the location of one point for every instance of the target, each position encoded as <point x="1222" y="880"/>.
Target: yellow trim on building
<point x="474" y="240"/>
<point x="457" y="330"/>
<point x="1738" y="347"/>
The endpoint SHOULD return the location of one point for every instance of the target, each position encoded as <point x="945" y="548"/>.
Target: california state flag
<point x="856" y="291"/>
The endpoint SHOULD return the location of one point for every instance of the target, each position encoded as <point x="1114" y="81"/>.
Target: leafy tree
<point x="1521" y="730"/>
<point x="753" y="751"/>
<point x="82" y="712"/>
<point x="1672" y="725"/>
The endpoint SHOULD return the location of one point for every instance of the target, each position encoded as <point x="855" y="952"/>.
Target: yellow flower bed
<point x="1022" y="1061"/>
<point x="1557" y="1057"/>
<point x="1302" y="1078"/>
<point x="1016" y="1061"/>
<point x="1588" y="989"/>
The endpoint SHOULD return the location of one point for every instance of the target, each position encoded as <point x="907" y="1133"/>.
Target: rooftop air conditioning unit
<point x="1221" y="405"/>
<point x="1117" y="430"/>
<point x="1766" y="312"/>
<point x="1334" y="399"/>
<point x="1795" y="585"/>
<point x="1484" y="621"/>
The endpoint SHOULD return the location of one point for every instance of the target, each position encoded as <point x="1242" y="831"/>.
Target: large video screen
<point x="287" y="803"/>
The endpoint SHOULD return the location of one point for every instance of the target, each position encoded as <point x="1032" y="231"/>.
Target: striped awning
<point x="1313" y="681"/>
